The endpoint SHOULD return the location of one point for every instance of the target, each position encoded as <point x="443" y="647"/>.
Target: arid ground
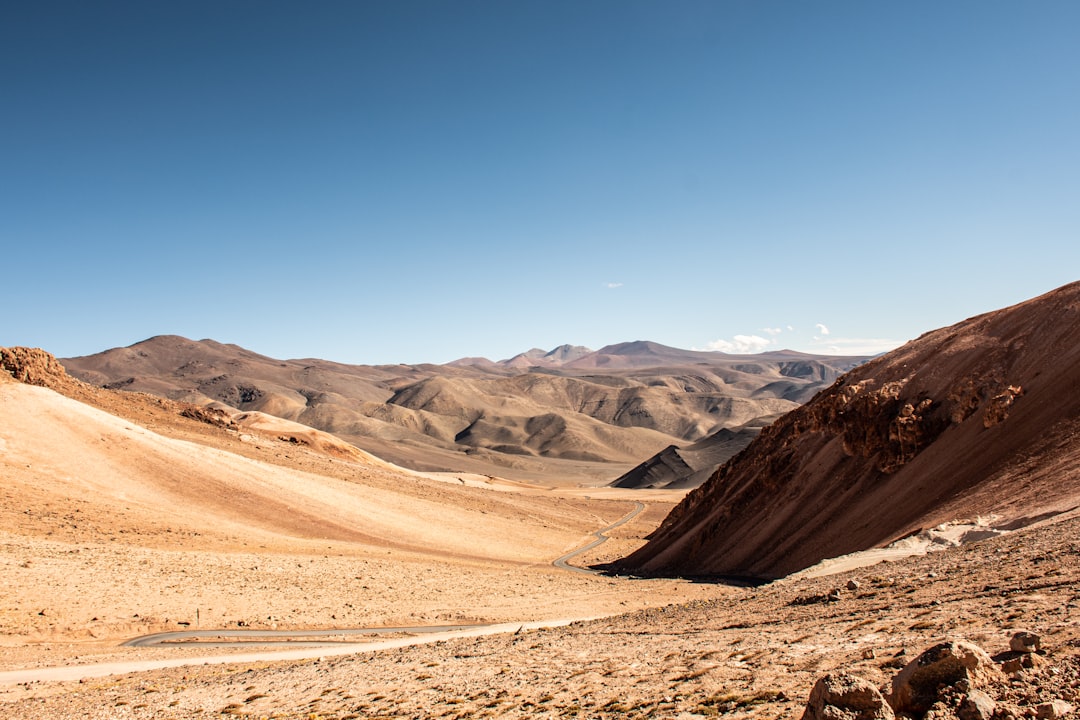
<point x="124" y="514"/>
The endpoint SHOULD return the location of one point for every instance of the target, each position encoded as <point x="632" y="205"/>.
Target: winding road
<point x="601" y="537"/>
<point x="336" y="642"/>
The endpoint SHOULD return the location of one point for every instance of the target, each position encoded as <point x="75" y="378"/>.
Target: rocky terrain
<point x="750" y="652"/>
<point x="569" y="412"/>
<point x="975" y="420"/>
<point x="125" y="513"/>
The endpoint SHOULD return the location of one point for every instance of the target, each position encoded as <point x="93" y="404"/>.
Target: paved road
<point x="601" y="537"/>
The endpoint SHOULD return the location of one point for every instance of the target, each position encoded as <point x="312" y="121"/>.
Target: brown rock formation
<point x="918" y="686"/>
<point x="842" y="696"/>
<point x="33" y="366"/>
<point x="975" y="419"/>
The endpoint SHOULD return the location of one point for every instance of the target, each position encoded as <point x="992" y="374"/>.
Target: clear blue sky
<point x="403" y="181"/>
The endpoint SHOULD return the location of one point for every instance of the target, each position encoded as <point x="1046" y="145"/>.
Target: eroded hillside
<point x="978" y="419"/>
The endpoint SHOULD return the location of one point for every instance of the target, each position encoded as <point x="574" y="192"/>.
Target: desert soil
<point x="119" y="524"/>
<point x="743" y="652"/>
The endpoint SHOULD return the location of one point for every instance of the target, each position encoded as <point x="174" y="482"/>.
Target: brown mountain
<point x="978" y="419"/>
<point x="691" y="465"/>
<point x="572" y="412"/>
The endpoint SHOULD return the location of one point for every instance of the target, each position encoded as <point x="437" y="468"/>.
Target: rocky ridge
<point x="977" y="419"/>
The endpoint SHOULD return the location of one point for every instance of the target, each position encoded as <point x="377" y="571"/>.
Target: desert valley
<point x="783" y="535"/>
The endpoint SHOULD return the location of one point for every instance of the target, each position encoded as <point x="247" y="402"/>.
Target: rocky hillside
<point x="569" y="412"/>
<point x="978" y="419"/>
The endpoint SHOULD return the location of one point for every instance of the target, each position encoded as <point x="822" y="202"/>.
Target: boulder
<point x="1025" y="641"/>
<point x="841" y="696"/>
<point x="919" y="684"/>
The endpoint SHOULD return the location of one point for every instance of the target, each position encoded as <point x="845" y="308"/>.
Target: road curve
<point x="601" y="537"/>
<point x="80" y="672"/>
<point x="263" y="637"/>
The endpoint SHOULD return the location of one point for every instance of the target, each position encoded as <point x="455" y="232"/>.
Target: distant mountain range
<point x="977" y="420"/>
<point x="641" y="354"/>
<point x="581" y="413"/>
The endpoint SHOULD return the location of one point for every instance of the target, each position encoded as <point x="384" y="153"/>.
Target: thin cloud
<point x="741" y="344"/>
<point x="858" y="346"/>
<point x="822" y="329"/>
<point x="772" y="331"/>
<point x="613" y="285"/>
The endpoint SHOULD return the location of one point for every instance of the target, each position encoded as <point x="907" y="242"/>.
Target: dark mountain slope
<point x="981" y="418"/>
<point x="691" y="465"/>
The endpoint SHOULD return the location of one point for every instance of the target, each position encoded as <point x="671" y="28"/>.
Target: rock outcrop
<point x="33" y="366"/>
<point x="975" y="419"/>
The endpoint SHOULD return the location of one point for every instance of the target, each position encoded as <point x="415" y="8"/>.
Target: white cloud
<point x="741" y="344"/>
<point x="822" y="329"/>
<point x="857" y="346"/>
<point x="613" y="285"/>
<point x="772" y="331"/>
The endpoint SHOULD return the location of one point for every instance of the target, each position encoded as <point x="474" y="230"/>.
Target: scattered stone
<point x="977" y="705"/>
<point x="834" y="595"/>
<point x="918" y="686"/>
<point x="1027" y="661"/>
<point x="1025" y="641"/>
<point x="1053" y="710"/>
<point x="852" y="585"/>
<point x="1012" y="666"/>
<point x="842" y="696"/>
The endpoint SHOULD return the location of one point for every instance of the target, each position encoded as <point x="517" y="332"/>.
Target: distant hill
<point x="978" y="419"/>
<point x="572" y="411"/>
<point x="691" y="465"/>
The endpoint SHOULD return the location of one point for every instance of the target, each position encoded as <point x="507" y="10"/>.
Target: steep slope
<point x="981" y="418"/>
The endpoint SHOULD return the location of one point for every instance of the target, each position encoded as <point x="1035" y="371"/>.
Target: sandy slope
<point x="68" y="449"/>
<point x="111" y="530"/>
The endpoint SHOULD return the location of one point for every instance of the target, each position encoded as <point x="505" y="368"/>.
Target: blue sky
<point x="379" y="182"/>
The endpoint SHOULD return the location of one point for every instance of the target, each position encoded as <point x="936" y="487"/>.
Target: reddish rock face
<point x="32" y="366"/>
<point x="975" y="419"/>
